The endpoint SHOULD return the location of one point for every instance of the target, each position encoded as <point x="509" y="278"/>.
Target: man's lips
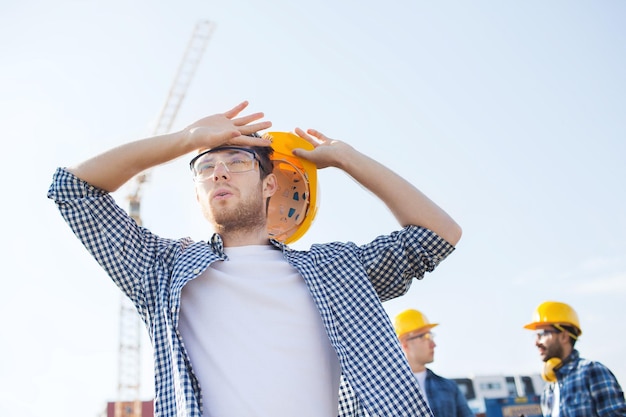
<point x="221" y="194"/>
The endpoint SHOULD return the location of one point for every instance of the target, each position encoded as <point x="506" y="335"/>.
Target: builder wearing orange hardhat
<point x="576" y="386"/>
<point x="241" y="323"/>
<point x="418" y="343"/>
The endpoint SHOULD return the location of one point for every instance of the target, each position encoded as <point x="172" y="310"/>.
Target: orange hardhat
<point x="293" y="207"/>
<point x="554" y="313"/>
<point x="410" y="321"/>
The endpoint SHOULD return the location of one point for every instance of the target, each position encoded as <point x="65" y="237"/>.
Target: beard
<point x="248" y="216"/>
<point x="555" y="350"/>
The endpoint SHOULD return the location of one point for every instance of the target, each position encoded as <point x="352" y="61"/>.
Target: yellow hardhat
<point x="554" y="312"/>
<point x="410" y="321"/>
<point x="293" y="207"/>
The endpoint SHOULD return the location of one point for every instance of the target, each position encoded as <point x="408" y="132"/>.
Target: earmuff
<point x="549" y="367"/>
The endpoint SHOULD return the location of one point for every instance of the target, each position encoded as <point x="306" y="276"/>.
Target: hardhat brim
<point x="535" y="325"/>
<point x="293" y="206"/>
<point x="420" y="329"/>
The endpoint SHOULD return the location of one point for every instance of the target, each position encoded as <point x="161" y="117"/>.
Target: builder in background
<point x="576" y="386"/>
<point x="443" y="396"/>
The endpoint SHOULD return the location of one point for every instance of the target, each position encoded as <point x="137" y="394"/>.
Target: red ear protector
<point x="549" y="367"/>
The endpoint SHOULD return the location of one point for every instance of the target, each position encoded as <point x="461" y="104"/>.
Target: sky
<point x="509" y="115"/>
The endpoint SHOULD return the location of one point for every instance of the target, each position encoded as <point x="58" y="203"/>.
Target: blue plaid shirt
<point x="586" y="389"/>
<point x="445" y="398"/>
<point x="347" y="283"/>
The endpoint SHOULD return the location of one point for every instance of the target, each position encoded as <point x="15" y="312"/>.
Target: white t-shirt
<point x="421" y="381"/>
<point x="256" y="340"/>
<point x="556" y="401"/>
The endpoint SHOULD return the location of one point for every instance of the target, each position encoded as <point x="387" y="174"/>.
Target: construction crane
<point x="128" y="403"/>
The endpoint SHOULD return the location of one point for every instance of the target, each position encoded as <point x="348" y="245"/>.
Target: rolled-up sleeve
<point x="393" y="261"/>
<point x="124" y="249"/>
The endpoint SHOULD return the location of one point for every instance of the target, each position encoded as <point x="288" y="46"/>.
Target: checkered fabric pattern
<point x="586" y="389"/>
<point x="347" y="282"/>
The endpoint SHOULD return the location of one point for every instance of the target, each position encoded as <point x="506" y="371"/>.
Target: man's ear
<point x="270" y="185"/>
<point x="403" y="344"/>
<point x="563" y="337"/>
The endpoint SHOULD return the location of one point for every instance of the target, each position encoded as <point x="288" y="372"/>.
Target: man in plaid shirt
<point x="242" y="325"/>
<point x="576" y="387"/>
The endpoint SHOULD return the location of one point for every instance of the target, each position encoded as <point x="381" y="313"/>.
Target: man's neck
<point x="249" y="238"/>
<point x="567" y="350"/>
<point x="418" y="367"/>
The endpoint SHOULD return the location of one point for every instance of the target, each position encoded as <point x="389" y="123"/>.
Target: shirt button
<point x="196" y="271"/>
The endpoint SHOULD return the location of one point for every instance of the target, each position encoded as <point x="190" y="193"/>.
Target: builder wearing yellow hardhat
<point x="418" y="343"/>
<point x="576" y="386"/>
<point x="293" y="205"/>
<point x="241" y="323"/>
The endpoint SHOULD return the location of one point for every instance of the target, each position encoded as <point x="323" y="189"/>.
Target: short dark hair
<point x="570" y="330"/>
<point x="264" y="153"/>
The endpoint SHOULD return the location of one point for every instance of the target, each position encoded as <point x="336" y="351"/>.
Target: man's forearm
<point x="408" y="204"/>
<point x="111" y="169"/>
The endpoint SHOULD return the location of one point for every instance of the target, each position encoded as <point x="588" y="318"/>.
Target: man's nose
<point x="220" y="171"/>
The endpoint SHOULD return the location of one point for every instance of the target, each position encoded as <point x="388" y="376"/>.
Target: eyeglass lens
<point x="235" y="160"/>
<point x="427" y="335"/>
<point x="539" y="334"/>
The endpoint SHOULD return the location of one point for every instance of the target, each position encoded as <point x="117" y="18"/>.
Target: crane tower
<point x="128" y="403"/>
